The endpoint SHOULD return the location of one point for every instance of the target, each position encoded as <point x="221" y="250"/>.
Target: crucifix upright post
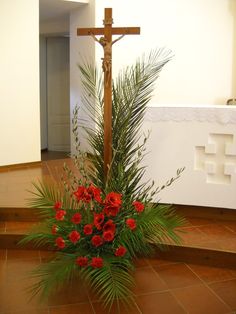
<point x="106" y="42"/>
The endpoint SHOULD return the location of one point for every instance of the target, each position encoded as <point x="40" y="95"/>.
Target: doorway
<point x="54" y="94"/>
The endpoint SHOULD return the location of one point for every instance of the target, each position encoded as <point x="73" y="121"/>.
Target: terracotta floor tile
<point x="124" y="309"/>
<point x="19" y="226"/>
<point x="212" y="245"/>
<point x="81" y="308"/>
<point x="195" y="221"/>
<point x="200" y="300"/>
<point x="177" y="275"/>
<point x="230" y="225"/>
<point x="229" y="245"/>
<point x="226" y="290"/>
<point x="13" y="297"/>
<point x="147" y="280"/>
<point x="45" y="256"/>
<point x="3" y="254"/>
<point x="2" y="227"/>
<point x="70" y="294"/>
<point x="3" y="272"/>
<point x="140" y="262"/>
<point x="22" y="254"/>
<point x="193" y="236"/>
<point x="218" y="231"/>
<point x="31" y="311"/>
<point x="159" y="303"/>
<point x="159" y="262"/>
<point x="19" y="271"/>
<point x="213" y="274"/>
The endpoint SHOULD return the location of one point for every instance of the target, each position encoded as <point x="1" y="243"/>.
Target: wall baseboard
<point x="20" y="166"/>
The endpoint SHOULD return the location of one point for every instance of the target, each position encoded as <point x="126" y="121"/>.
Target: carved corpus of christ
<point x="106" y="61"/>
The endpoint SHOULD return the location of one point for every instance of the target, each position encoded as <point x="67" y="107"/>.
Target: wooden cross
<point x="106" y="42"/>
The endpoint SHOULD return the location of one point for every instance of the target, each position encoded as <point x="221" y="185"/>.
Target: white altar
<point x="203" y="140"/>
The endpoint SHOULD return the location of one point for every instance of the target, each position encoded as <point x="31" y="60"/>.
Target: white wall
<point x="19" y="82"/>
<point x="81" y="48"/>
<point x="55" y="26"/>
<point x="202" y="36"/>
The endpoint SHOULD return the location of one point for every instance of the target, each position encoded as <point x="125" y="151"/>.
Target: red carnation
<point x="120" y="251"/>
<point x="139" y="207"/>
<point x="95" y="193"/>
<point x="60" y="214"/>
<point x="76" y="218"/>
<point x="82" y="261"/>
<point x="74" y="236"/>
<point x="98" y="220"/>
<point x="88" y="229"/>
<point x="54" y="229"/>
<point x="111" y="211"/>
<point x="97" y="262"/>
<point x="60" y="243"/>
<point x="131" y="223"/>
<point x="57" y="205"/>
<point x="108" y="236"/>
<point x="109" y="226"/>
<point x="82" y="194"/>
<point x="113" y="199"/>
<point x="97" y="240"/>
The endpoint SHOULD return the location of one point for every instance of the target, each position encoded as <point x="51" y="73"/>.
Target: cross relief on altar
<point x="217" y="158"/>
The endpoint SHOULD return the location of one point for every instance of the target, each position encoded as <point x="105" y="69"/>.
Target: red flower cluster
<point x="76" y="219"/>
<point x="87" y="194"/>
<point x="54" y="229"/>
<point x="82" y="261"/>
<point x="60" y="243"/>
<point x="139" y="207"/>
<point x="60" y="214"/>
<point x="88" y="229"/>
<point x="98" y="220"/>
<point x="97" y="240"/>
<point x="112" y="204"/>
<point x="101" y="231"/>
<point x="57" y="205"/>
<point x="120" y="251"/>
<point x="96" y="262"/>
<point x="74" y="236"/>
<point x="131" y="223"/>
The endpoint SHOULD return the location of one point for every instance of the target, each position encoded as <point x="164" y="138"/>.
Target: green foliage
<point x="157" y="223"/>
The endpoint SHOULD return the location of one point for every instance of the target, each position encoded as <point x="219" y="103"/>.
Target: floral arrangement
<point x="98" y="225"/>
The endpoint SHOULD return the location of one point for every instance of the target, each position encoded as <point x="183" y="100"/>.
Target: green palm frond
<point x="113" y="282"/>
<point x="52" y="276"/>
<point x="45" y="195"/>
<point x="158" y="224"/>
<point x="132" y="90"/>
<point x="40" y="235"/>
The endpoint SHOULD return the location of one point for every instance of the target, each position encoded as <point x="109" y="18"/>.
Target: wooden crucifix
<point x="106" y="42"/>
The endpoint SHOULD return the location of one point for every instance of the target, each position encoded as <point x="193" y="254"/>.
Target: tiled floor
<point x="162" y="287"/>
<point x="15" y="183"/>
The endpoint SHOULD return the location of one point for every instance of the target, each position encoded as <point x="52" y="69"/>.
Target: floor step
<point x="11" y="232"/>
<point x="23" y="214"/>
<point x="204" y="241"/>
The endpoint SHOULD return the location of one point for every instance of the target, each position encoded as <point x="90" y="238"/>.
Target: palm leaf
<point x="113" y="282"/>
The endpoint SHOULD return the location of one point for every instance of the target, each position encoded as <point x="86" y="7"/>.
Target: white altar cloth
<point x="203" y="140"/>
